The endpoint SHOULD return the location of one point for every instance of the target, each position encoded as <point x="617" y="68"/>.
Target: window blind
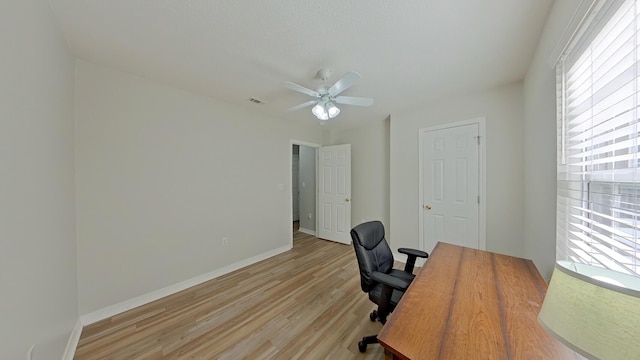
<point x="598" y="192"/>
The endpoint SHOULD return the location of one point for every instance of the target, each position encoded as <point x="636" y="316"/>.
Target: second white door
<point x="334" y="193"/>
<point x="450" y="186"/>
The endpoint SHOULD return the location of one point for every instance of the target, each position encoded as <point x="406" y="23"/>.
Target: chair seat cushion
<point x="400" y="274"/>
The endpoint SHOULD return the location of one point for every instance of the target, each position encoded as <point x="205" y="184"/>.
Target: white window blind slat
<point x="583" y="121"/>
<point x="624" y="248"/>
<point x="611" y="254"/>
<point x="619" y="259"/>
<point x="624" y="144"/>
<point x="617" y="57"/>
<point x="607" y="263"/>
<point x="619" y="221"/>
<point x="614" y="128"/>
<point x="598" y="226"/>
<point x="607" y="160"/>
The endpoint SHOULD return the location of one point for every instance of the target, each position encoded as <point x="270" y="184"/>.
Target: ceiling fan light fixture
<point x="320" y="112"/>
<point x="332" y="110"/>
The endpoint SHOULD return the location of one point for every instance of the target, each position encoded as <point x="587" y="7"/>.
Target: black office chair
<point x="384" y="284"/>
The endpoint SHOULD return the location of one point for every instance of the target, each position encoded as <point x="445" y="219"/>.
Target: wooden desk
<point x="471" y="304"/>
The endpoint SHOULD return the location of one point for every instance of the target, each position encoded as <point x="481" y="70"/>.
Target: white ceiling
<point x="408" y="52"/>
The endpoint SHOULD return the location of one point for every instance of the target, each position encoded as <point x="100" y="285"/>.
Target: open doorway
<point x="303" y="187"/>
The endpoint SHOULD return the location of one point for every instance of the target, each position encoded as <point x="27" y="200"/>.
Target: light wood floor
<point x="302" y="304"/>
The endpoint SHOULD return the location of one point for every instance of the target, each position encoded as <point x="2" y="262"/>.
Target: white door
<point x="295" y="190"/>
<point x="334" y="193"/>
<point x="450" y="186"/>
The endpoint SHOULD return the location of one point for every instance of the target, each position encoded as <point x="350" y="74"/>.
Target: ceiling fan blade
<point x="302" y="89"/>
<point x="303" y="105"/>
<point x="344" y="83"/>
<point x="350" y="100"/>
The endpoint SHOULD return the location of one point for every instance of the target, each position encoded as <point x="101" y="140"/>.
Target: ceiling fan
<point x="324" y="107"/>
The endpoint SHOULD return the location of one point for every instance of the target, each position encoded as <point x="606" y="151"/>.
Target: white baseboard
<point x="307" y="231"/>
<point x="72" y="344"/>
<point x="115" y="309"/>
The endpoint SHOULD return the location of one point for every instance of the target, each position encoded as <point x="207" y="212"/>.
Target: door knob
<point x="428" y="207"/>
<point x="347" y="200"/>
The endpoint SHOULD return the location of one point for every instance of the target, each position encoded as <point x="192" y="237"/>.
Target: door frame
<point x="482" y="176"/>
<point x="290" y="185"/>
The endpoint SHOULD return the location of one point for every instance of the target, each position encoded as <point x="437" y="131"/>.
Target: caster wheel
<point x="373" y="316"/>
<point x="362" y="346"/>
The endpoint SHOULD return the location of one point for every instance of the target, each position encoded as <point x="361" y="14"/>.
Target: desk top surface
<point x="472" y="304"/>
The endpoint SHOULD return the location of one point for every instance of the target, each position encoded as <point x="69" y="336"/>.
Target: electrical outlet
<point x="225" y="241"/>
<point x="309" y="216"/>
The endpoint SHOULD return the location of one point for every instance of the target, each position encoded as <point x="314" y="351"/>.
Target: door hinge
<point x="478" y="199"/>
<point x="478" y="138"/>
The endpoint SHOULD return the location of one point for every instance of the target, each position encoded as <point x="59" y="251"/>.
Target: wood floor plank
<point x="305" y="303"/>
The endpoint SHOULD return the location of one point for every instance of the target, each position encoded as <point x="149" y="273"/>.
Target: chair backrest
<point x="372" y="251"/>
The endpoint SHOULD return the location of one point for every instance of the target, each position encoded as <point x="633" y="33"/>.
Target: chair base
<point x="362" y="344"/>
<point x="373" y="339"/>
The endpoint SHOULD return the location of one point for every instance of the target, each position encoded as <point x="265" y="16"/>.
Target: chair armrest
<point x="389" y="284"/>
<point x="413" y="252"/>
<point x="390" y="281"/>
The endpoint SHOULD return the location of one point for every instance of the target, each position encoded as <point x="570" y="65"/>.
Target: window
<point x="598" y="210"/>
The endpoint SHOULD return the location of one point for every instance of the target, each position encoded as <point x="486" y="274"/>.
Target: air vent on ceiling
<point x="257" y="101"/>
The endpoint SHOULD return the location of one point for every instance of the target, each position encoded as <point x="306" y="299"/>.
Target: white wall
<point x="307" y="203"/>
<point x="369" y="170"/>
<point x="540" y="142"/>
<point x="503" y="109"/>
<point x="38" y="300"/>
<point x="163" y="175"/>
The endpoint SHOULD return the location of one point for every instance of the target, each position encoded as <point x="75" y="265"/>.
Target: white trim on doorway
<point x="290" y="187"/>
<point x="482" y="174"/>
